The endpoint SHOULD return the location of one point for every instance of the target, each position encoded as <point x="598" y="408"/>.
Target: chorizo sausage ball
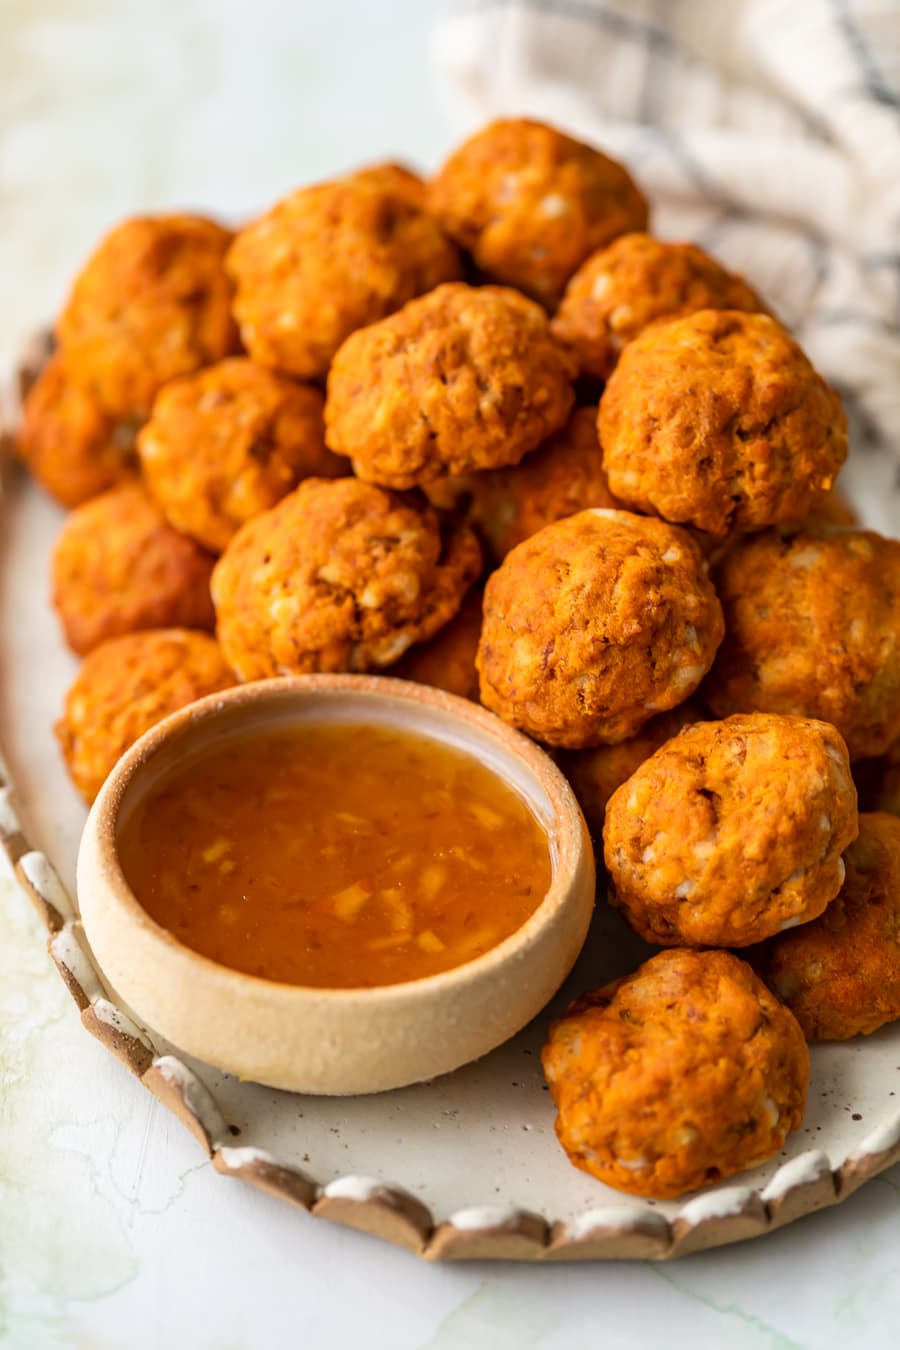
<point x="72" y="446"/>
<point x="677" y="1076"/>
<point x="530" y="204"/>
<point x="229" y="442"/>
<point x="594" y="624"/>
<point x="731" y="831"/>
<point x="718" y="420"/>
<point x="460" y="379"/>
<point x="840" y="975"/>
<point x="447" y="661"/>
<point x="634" y="282"/>
<point x="125" y="686"/>
<point x="119" y="567"/>
<point x="328" y="260"/>
<point x="338" y="576"/>
<point x="152" y="302"/>
<point x="813" y="627"/>
<point x="596" y="773"/>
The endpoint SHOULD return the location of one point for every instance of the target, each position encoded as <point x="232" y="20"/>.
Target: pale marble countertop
<point x="114" y="1231"/>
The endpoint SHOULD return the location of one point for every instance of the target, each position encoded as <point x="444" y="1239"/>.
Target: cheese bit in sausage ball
<point x="593" y="625"/>
<point x="840" y="975"/>
<point x="813" y="627"/>
<point x="71" y="445"/>
<point x="327" y="260"/>
<point x="119" y="567"/>
<point x="447" y="661"/>
<point x="596" y="773"/>
<point x="530" y="204"/>
<point x="229" y="442"/>
<point x="152" y="302"/>
<point x="124" y="687"/>
<point x="339" y="576"/>
<point x="718" y="420"/>
<point x="731" y="831"/>
<point x="634" y="282"/>
<point x="461" y="379"/>
<point x="677" y="1076"/>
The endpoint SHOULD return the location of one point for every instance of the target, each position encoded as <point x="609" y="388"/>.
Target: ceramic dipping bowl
<point x="338" y="1041"/>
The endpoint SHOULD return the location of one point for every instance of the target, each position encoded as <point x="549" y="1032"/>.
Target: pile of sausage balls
<point x="486" y="432"/>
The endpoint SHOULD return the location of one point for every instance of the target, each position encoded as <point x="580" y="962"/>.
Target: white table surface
<point x="115" y="1234"/>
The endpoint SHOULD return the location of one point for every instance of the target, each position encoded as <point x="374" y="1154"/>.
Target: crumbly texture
<point x="718" y="420"/>
<point x="152" y="302"/>
<point x="228" y="443"/>
<point x="328" y="260"/>
<point x="634" y="282"/>
<point x="530" y="204"/>
<point x="339" y="576"/>
<point x="596" y="773"/>
<point x="563" y="476"/>
<point x="124" y="687"/>
<point x="677" y="1076"/>
<point x="447" y="661"/>
<point x="119" y="567"/>
<point x="732" y="831"/>
<point x="593" y="625"/>
<point x="813" y="627"/>
<point x="465" y="378"/>
<point x="840" y="976"/>
<point x="72" y="446"/>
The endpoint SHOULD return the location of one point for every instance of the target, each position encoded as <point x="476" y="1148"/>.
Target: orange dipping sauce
<point x="336" y="856"/>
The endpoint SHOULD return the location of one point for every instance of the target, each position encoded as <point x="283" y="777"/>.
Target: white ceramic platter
<point x="467" y="1165"/>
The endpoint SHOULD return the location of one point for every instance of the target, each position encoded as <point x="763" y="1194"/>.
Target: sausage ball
<point x="718" y="420"/>
<point x="634" y="282"/>
<point x="339" y="576"/>
<point x="328" y="260"/>
<point x="461" y="379"/>
<point x="530" y="204"/>
<point x="596" y="773"/>
<point x="732" y="831"/>
<point x="229" y="442"/>
<point x="152" y="302"/>
<point x="677" y="1076"/>
<point x="840" y="976"/>
<point x="398" y="179"/>
<point x="72" y="446"/>
<point x="447" y="661"/>
<point x="813" y="627"/>
<point x="127" y="685"/>
<point x="594" y="624"/>
<point x="119" y="567"/>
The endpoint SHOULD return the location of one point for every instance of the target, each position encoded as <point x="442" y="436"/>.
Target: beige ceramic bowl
<point x="335" y="1040"/>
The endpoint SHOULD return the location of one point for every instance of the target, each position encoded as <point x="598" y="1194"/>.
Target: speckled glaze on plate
<point x="463" y="1167"/>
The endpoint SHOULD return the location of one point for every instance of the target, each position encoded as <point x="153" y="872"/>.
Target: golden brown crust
<point x="391" y="176"/>
<point x="634" y="282"/>
<point x="813" y="627"/>
<point x="327" y="260"/>
<point x="461" y="379"/>
<point x="227" y="443"/>
<point x="679" y="1075"/>
<point x="340" y="575"/>
<point x="732" y="831"/>
<point x="593" y="625"/>
<point x="718" y="420"/>
<point x="840" y="976"/>
<point x="72" y="446"/>
<point x="447" y="661"/>
<point x="119" y="567"/>
<point x="125" y="686"/>
<point x="531" y="204"/>
<point x="152" y="302"/>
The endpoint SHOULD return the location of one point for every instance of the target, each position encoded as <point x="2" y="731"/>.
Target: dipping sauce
<point x="337" y="856"/>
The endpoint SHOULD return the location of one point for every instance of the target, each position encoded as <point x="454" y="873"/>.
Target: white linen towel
<point x="766" y="130"/>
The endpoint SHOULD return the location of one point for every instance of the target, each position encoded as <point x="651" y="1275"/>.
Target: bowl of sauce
<point x="335" y="883"/>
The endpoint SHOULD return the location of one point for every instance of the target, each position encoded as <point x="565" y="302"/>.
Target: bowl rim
<point x="570" y="831"/>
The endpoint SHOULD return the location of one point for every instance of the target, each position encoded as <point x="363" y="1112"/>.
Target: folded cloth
<point x="766" y="130"/>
